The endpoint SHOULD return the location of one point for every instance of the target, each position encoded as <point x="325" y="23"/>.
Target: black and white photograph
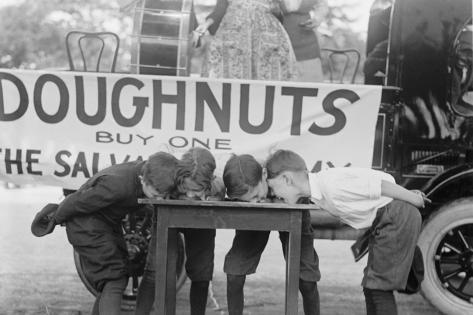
<point x="236" y="157"/>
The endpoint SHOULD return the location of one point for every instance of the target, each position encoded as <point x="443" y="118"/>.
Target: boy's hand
<point x="185" y="197"/>
<point x="217" y="190"/>
<point x="275" y="200"/>
<point x="421" y="198"/>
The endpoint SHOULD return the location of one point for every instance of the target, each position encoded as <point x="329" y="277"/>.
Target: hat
<point x="44" y="223"/>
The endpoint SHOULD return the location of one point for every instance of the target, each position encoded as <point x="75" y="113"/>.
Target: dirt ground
<point x="37" y="275"/>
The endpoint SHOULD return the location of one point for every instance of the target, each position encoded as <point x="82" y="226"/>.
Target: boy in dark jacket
<point x="93" y="217"/>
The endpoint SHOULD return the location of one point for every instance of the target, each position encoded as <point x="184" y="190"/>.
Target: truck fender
<point x="452" y="184"/>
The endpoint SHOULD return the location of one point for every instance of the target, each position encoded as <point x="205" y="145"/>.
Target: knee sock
<point x="146" y="292"/>
<point x="108" y="302"/>
<point x="379" y="302"/>
<point x="310" y="297"/>
<point x="198" y="297"/>
<point x="235" y="295"/>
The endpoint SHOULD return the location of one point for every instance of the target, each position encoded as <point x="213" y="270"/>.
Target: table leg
<point x="161" y="262"/>
<point x="166" y="252"/>
<point x="293" y="263"/>
<point x="171" y="272"/>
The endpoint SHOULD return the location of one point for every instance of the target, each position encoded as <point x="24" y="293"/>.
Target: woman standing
<point x="250" y="42"/>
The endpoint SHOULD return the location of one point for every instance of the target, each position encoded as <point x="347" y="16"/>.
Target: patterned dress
<point x="250" y="43"/>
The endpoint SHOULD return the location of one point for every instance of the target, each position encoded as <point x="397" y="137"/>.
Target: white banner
<point x="59" y="128"/>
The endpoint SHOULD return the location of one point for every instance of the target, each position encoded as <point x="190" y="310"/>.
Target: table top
<point x="227" y="204"/>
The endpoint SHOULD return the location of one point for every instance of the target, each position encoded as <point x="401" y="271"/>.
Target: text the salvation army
<point x="73" y="164"/>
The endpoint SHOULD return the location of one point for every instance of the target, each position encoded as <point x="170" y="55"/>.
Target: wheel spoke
<point x="453" y="273"/>
<point x="465" y="243"/>
<point x="464" y="282"/>
<point x="132" y="220"/>
<point x="451" y="247"/>
<point x="125" y="226"/>
<point x="135" y="284"/>
<point x="449" y="260"/>
<point x="453" y="259"/>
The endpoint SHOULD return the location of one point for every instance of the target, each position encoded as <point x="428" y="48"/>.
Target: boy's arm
<point x="94" y="196"/>
<point x="395" y="191"/>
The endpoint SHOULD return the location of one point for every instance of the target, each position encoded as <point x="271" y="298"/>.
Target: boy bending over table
<point x="361" y="198"/>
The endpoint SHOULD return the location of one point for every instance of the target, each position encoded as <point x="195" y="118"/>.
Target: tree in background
<point x="33" y="32"/>
<point x="338" y="33"/>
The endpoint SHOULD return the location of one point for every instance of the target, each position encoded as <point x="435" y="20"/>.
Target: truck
<point x="422" y="53"/>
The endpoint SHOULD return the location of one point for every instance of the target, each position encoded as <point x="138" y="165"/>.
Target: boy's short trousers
<point x="244" y="256"/>
<point x="199" y="247"/>
<point x="394" y="235"/>
<point x="101" y="247"/>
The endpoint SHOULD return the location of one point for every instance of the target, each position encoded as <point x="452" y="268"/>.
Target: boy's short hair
<point x="241" y="172"/>
<point x="159" y="171"/>
<point x="197" y="164"/>
<point x="284" y="160"/>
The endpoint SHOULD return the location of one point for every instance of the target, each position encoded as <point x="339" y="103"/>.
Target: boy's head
<point x="195" y="173"/>
<point x="287" y="175"/>
<point x="157" y="177"/>
<point x="245" y="179"/>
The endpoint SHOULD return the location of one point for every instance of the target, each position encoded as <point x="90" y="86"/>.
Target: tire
<point x="446" y="241"/>
<point x="137" y="233"/>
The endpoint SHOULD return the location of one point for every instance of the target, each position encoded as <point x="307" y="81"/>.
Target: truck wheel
<point x="137" y="233"/>
<point x="446" y="242"/>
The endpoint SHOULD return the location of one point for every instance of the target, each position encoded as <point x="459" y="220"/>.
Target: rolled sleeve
<point x="353" y="184"/>
<point x="374" y="188"/>
<point x="353" y="194"/>
<point x="377" y="179"/>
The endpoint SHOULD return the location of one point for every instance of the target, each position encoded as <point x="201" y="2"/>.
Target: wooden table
<point x="175" y="214"/>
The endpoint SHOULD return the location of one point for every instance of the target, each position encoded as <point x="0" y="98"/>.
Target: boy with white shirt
<point x="361" y="198"/>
